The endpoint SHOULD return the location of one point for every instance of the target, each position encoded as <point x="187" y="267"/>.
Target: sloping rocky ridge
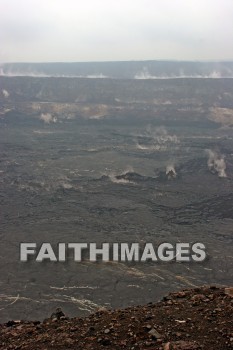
<point x="196" y="319"/>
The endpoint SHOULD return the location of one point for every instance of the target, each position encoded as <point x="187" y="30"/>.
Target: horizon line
<point x="123" y="61"/>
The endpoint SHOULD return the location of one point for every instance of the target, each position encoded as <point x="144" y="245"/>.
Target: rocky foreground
<point x="200" y="318"/>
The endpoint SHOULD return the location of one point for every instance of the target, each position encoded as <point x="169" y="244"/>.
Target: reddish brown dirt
<point x="201" y="318"/>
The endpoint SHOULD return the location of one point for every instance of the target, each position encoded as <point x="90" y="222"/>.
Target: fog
<point x="106" y="30"/>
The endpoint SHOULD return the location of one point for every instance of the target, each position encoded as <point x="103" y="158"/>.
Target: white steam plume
<point x="47" y="118"/>
<point x="159" y="139"/>
<point x="171" y="171"/>
<point x="216" y="163"/>
<point x="38" y="74"/>
<point x="5" y="93"/>
<point x="114" y="177"/>
<point x="145" y="74"/>
<point x="161" y="135"/>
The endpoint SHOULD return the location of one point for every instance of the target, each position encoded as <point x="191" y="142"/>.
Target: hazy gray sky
<point x="109" y="30"/>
